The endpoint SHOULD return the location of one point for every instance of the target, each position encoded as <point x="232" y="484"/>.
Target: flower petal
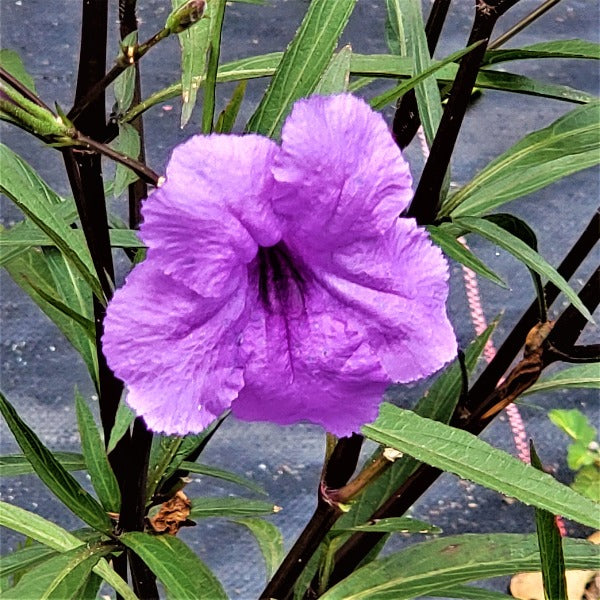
<point x="314" y="365"/>
<point x="339" y="176"/>
<point x="177" y="352"/>
<point x="397" y="285"/>
<point x="204" y="224"/>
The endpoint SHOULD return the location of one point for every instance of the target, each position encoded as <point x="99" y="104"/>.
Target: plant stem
<point x="337" y="471"/>
<point x="425" y="204"/>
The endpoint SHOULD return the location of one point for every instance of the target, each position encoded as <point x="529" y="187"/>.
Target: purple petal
<point x="177" y="352"/>
<point x="204" y="224"/>
<point x="397" y="284"/>
<point x="339" y="176"/>
<point x="312" y="365"/>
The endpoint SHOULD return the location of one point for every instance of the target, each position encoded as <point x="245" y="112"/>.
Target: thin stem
<point x="124" y="61"/>
<point x="523" y="23"/>
<point x="425" y="204"/>
<point x="145" y="172"/>
<point x="22" y="89"/>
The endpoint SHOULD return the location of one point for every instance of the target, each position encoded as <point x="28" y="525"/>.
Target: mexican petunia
<point x="280" y="281"/>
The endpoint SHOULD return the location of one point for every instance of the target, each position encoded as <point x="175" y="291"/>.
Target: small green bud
<point x="185" y="16"/>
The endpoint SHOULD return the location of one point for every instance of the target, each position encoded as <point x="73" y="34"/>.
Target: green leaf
<point x="392" y="95"/>
<point x="269" y="539"/>
<point x="183" y="574"/>
<point x="552" y="49"/>
<point x="568" y="145"/>
<point x="61" y="577"/>
<point x="455" y="250"/>
<point x="229" y="114"/>
<point x="203" y="508"/>
<point x="336" y="77"/>
<point x="123" y="420"/>
<point x="128" y="143"/>
<point x="467" y="592"/>
<point x="445" y="562"/>
<point x="217" y="14"/>
<point x="124" y="86"/>
<point x="37" y="528"/>
<point x="550" y="545"/>
<point x="303" y="63"/>
<point x="573" y="422"/>
<point x="57" y="538"/>
<point x="50" y="471"/>
<point x="465" y="455"/>
<point x="11" y="62"/>
<point x="587" y="482"/>
<point x="439" y="404"/>
<point x="579" y="455"/>
<point x="580" y="376"/>
<point x="90" y="589"/>
<point x="101" y="474"/>
<point x="194" y="43"/>
<point x="397" y="525"/>
<point x="194" y="467"/>
<point x="32" y="195"/>
<point x="17" y="464"/>
<point x="525" y="254"/>
<point x="24" y="559"/>
<point x="47" y="274"/>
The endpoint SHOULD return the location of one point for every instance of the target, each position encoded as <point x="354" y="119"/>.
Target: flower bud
<point x="185" y="16"/>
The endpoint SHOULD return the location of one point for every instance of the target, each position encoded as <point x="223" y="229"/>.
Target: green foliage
<point x="438" y="564"/>
<point x="269" y="540"/>
<point x="302" y="64"/>
<point x="583" y="454"/>
<point x="203" y="508"/>
<point x="550" y="545"/>
<point x="183" y="574"/>
<point x="465" y="455"/>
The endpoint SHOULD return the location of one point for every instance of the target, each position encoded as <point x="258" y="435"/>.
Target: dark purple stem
<point x="425" y="204"/>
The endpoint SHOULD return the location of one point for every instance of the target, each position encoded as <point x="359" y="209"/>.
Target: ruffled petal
<point x="204" y="224"/>
<point x="177" y="352"/>
<point x="311" y="365"/>
<point x="397" y="285"/>
<point x="339" y="176"/>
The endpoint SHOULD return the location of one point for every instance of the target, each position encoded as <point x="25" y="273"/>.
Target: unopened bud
<point x="185" y="16"/>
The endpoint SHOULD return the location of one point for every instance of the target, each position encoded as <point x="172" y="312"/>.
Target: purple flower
<point x="279" y="280"/>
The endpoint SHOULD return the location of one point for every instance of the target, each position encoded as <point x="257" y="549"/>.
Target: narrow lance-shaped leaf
<point x="552" y="49"/>
<point x="193" y="467"/>
<point x="525" y="254"/>
<point x="49" y="470"/>
<point x="336" y="77"/>
<point x="123" y="420"/>
<point x="124" y="86"/>
<point x="568" y="145"/>
<point x="302" y="64"/>
<point x="194" y="46"/>
<point x="580" y="376"/>
<point x="550" y="544"/>
<point x="454" y="249"/>
<point x="448" y="561"/>
<point x="217" y="14"/>
<point x="24" y="558"/>
<point x="99" y="469"/>
<point x="269" y="539"/>
<point x="128" y="143"/>
<point x="62" y="577"/>
<point x="397" y="525"/>
<point x="26" y="189"/>
<point x="183" y="574"/>
<point x="469" y="592"/>
<point x="229" y="114"/>
<point x="17" y="464"/>
<point x="11" y="62"/>
<point x="203" y="508"/>
<point x="465" y="455"/>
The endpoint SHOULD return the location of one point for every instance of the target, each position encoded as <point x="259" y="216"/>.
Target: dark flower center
<point x="281" y="282"/>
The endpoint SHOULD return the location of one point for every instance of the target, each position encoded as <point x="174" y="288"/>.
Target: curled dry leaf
<point x="529" y="586"/>
<point x="172" y="515"/>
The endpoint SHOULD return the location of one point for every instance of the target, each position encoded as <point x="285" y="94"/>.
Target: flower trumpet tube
<point x="280" y="280"/>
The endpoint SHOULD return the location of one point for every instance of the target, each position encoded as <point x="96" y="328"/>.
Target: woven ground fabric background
<point x="40" y="370"/>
